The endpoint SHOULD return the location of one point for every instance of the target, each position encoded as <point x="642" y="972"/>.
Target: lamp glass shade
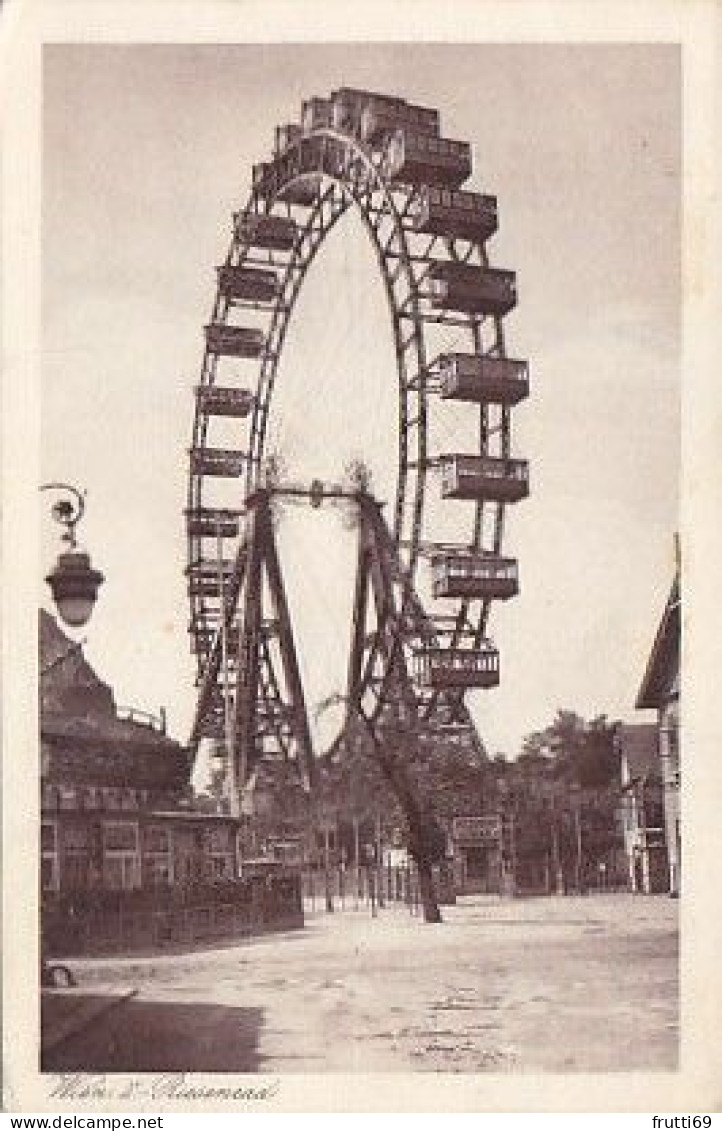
<point x="75" y="611"/>
<point x="74" y="585"/>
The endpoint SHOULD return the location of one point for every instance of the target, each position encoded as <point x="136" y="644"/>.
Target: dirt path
<point x="562" y="984"/>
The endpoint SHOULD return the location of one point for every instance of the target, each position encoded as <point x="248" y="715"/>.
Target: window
<point x="156" y="870"/>
<point x="121" y="871"/>
<point x="76" y="869"/>
<point x="121" y="858"/>
<point x="67" y="797"/>
<point x="49" y="873"/>
<point x="120" y="836"/>
<point x="49" y="856"/>
<point x="48" y="837"/>
<point x="156" y="838"/>
<point x="218" y="840"/>
<point x="75" y="838"/>
<point x="111" y="798"/>
<point x="157" y="860"/>
<point x="49" y="796"/>
<point x="91" y="797"/>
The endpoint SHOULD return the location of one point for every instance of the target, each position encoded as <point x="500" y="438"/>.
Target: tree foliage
<point x="574" y="751"/>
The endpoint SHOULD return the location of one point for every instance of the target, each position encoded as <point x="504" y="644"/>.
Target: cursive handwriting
<point x="78" y="1087"/>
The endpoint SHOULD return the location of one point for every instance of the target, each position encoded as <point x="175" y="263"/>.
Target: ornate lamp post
<point x="73" y="582"/>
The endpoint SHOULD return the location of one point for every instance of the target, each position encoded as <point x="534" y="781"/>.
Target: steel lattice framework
<point x="386" y="159"/>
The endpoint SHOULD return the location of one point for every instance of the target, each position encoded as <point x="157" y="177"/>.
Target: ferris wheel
<point x="386" y="159"/>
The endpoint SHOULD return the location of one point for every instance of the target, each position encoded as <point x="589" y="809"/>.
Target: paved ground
<point x="552" y="984"/>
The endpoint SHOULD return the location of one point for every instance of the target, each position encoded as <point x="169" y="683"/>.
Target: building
<point x="642" y="808"/>
<point x="115" y="805"/>
<point x="659" y="691"/>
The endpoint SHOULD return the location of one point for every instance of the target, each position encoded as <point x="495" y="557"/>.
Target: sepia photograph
<point x="359" y="593"/>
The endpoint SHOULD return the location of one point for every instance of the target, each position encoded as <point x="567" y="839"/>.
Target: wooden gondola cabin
<point x="223" y="462"/>
<point x="234" y="341"/>
<point x="316" y="114"/>
<point x="286" y="135"/>
<point x="453" y="212"/>
<point x="203" y="639"/>
<point x="439" y="668"/>
<point x="284" y="178"/>
<point x="263" y="179"/>
<point x="463" y="573"/>
<point x="381" y="118"/>
<point x="472" y="377"/>
<point x="484" y="477"/>
<point x="212" y="522"/>
<point x="419" y="158"/>
<point x="207" y="577"/>
<point x="349" y="103"/>
<point x="217" y="400"/>
<point x="473" y="289"/>
<point x="276" y="233"/>
<point x="251" y="284"/>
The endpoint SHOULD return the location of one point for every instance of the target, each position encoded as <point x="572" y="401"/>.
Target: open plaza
<point x="568" y="984"/>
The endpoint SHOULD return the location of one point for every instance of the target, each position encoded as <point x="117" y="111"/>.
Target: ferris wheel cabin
<point x="223" y="462"/>
<point x="213" y="522"/>
<point x="270" y="178"/>
<point x="475" y="290"/>
<point x="286" y="135"/>
<point x="216" y="400"/>
<point x="454" y="212"/>
<point x="473" y="377"/>
<point x="247" y="283"/>
<point x="203" y="638"/>
<point x="276" y="233"/>
<point x="348" y="105"/>
<point x="484" y="477"/>
<point x="419" y="158"/>
<point x="367" y="114"/>
<point x="206" y="577"/>
<point x="316" y="114"/>
<point x="379" y="119"/>
<point x="439" y="668"/>
<point x="463" y="573"/>
<point x="234" y="341"/>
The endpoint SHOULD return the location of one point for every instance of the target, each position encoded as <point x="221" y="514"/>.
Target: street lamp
<point x="73" y="582"/>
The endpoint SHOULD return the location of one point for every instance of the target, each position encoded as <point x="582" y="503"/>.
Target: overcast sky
<point x="148" y="150"/>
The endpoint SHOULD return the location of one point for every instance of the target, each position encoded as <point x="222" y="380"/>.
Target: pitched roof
<point x="75" y="703"/>
<point x="660" y="679"/>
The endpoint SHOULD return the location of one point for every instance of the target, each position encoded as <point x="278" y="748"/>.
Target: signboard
<point x="484" y="830"/>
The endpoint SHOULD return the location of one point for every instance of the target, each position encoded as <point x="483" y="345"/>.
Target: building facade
<point x="660" y="691"/>
<point x="642" y="810"/>
<point x="116" y="813"/>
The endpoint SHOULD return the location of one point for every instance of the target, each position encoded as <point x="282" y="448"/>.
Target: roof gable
<point x="661" y="679"/>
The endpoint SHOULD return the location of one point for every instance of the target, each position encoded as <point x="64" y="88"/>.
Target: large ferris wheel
<point x="386" y="159"/>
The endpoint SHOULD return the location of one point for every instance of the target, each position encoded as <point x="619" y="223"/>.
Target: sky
<point x="147" y="151"/>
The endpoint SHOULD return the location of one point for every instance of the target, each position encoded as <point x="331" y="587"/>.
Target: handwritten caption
<point x="82" y="1088"/>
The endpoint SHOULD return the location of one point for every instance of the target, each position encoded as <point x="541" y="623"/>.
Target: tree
<point x="573" y="750"/>
<point x="574" y="765"/>
<point x="416" y="774"/>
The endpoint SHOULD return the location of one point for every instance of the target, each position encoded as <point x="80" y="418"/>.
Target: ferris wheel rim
<point x="282" y="314"/>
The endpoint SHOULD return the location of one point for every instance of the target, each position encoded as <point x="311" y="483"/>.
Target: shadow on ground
<point x="100" y="1033"/>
